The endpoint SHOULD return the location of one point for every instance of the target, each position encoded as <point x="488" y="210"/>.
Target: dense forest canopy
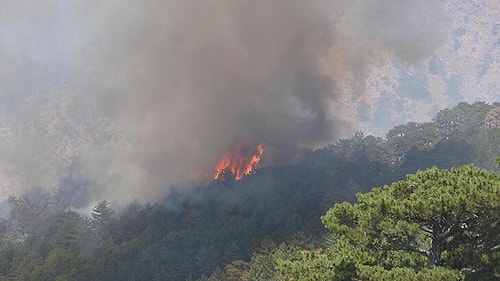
<point x="271" y="224"/>
<point x="434" y="225"/>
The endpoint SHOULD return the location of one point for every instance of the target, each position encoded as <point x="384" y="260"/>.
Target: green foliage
<point x="309" y="266"/>
<point x="101" y="214"/>
<point x="446" y="217"/>
<point x="377" y="273"/>
<point x="268" y="226"/>
<point x="435" y="225"/>
<point x="484" y="145"/>
<point x="464" y="119"/>
<point x="262" y="266"/>
<point x="455" y="137"/>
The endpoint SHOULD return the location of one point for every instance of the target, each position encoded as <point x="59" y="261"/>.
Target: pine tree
<point x="101" y="214"/>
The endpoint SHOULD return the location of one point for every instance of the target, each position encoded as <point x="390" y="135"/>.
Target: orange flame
<point x="239" y="162"/>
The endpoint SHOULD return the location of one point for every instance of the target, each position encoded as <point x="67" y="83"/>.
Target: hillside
<point x="465" y="67"/>
<point x="200" y="228"/>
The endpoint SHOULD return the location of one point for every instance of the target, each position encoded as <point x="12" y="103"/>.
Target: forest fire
<point x="240" y="162"/>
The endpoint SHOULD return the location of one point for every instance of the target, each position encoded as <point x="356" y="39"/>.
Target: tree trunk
<point x="436" y="251"/>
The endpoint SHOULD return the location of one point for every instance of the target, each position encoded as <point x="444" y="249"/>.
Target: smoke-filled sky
<point x="144" y="93"/>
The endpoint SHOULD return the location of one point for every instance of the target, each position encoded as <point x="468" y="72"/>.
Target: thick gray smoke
<point x="183" y="81"/>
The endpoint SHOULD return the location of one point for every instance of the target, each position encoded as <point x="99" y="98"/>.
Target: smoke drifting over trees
<point x="185" y="81"/>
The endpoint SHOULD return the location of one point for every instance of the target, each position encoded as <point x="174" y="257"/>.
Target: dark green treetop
<point x="434" y="225"/>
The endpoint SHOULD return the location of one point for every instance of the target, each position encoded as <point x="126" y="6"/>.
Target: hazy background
<point x="125" y="98"/>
